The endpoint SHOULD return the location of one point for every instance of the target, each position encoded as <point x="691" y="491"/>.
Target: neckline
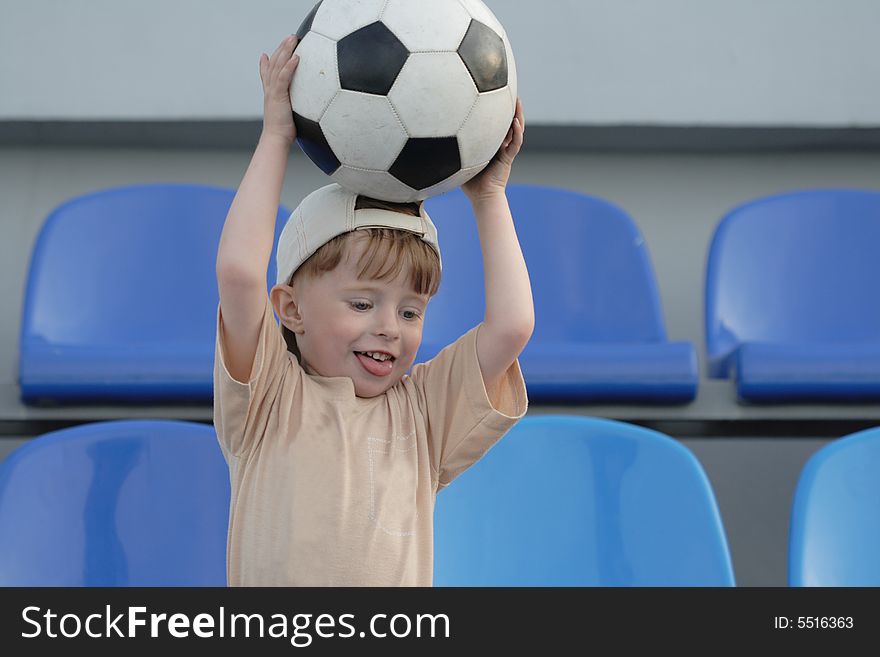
<point x="343" y="386"/>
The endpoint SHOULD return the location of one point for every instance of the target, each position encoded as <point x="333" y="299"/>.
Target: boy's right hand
<point x="276" y="73"/>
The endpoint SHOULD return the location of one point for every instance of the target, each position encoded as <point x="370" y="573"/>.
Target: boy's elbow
<point x="235" y="274"/>
<point x="523" y="332"/>
<point x="514" y="336"/>
<point x="524" y="325"/>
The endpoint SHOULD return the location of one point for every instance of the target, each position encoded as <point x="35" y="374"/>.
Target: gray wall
<point x="676" y="62"/>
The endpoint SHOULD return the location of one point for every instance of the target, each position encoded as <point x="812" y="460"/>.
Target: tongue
<point x="376" y="367"/>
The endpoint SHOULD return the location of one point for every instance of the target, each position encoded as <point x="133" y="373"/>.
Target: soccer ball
<point x="402" y="99"/>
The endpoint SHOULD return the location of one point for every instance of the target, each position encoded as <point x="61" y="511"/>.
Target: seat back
<point x="125" y="275"/>
<point x="121" y="503"/>
<point x="834" y="538"/>
<point x="793" y="268"/>
<point x="591" y="275"/>
<point x="574" y="501"/>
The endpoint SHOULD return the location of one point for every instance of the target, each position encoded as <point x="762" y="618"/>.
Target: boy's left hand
<point x="492" y="180"/>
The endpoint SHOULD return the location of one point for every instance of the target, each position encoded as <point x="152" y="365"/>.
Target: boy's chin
<point x="367" y="390"/>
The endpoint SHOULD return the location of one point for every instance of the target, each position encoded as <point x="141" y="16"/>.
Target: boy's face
<point x="343" y="317"/>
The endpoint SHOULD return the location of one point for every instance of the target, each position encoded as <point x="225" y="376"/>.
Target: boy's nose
<point x="386" y="325"/>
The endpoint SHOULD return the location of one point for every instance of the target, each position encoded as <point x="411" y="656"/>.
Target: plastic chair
<point x="574" y="501"/>
<point x="835" y="522"/>
<point x="791" y="295"/>
<point x="121" y="298"/>
<point x="123" y="503"/>
<point x="599" y="330"/>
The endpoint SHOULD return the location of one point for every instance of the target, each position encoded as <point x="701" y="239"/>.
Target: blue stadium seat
<point x="576" y="501"/>
<point x="599" y="329"/>
<point x="121" y="298"/>
<point x="791" y="298"/>
<point x="123" y="503"/>
<point x="834" y="538"/>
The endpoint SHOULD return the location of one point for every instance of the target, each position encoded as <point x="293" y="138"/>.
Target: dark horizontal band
<point x="597" y="138"/>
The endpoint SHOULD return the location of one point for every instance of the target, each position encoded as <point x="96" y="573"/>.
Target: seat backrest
<point x="793" y="268"/>
<point x="122" y="503"/>
<point x="589" y="267"/>
<point x="125" y="267"/>
<point x="834" y="538"/>
<point x="574" y="501"/>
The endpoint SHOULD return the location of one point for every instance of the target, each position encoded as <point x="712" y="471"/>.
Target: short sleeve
<point x="463" y="423"/>
<point x="241" y="410"/>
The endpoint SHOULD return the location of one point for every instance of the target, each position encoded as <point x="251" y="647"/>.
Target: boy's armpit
<point x="269" y="346"/>
<point x="464" y="418"/>
<point x="237" y="416"/>
<point x="494" y="392"/>
<point x="222" y="351"/>
<point x="241" y="316"/>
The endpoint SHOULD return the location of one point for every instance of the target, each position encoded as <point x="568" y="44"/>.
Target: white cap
<point x="329" y="212"/>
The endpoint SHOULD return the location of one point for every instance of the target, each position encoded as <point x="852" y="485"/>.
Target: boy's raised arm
<point x="248" y="233"/>
<point x="510" y="312"/>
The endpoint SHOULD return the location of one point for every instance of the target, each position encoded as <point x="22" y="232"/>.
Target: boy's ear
<point x="283" y="298"/>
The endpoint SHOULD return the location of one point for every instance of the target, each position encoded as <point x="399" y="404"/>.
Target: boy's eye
<point x="410" y="314"/>
<point x="360" y="305"/>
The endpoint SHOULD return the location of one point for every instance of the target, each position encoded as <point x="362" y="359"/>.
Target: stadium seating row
<point x="559" y="501"/>
<point x="121" y="298"/>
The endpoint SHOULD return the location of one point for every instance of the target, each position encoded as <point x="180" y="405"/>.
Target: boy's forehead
<point x="347" y="281"/>
<point x="344" y="276"/>
<point x="373" y="285"/>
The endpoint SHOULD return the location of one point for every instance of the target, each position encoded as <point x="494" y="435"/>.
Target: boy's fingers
<point x="278" y="50"/>
<point x="516" y="144"/>
<point x="288" y="70"/>
<point x="288" y="46"/>
<point x="518" y="131"/>
<point x="284" y="53"/>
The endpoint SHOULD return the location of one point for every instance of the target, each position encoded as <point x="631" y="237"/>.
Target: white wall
<point x="676" y="62"/>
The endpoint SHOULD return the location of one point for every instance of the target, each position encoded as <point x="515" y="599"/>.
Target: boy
<point x="335" y="455"/>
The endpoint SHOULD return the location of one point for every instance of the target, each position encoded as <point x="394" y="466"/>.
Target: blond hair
<point x="387" y="252"/>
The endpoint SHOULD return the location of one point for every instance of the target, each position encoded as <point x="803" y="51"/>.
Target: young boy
<point x="335" y="455"/>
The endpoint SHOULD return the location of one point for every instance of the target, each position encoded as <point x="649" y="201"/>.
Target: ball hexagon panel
<point x="481" y="135"/>
<point x="342" y="17"/>
<point x="442" y="153"/>
<point x="364" y="130"/>
<point x="311" y="139"/>
<point x="425" y="110"/>
<point x="369" y="59"/>
<point x="379" y="184"/>
<point x="427" y="26"/>
<point x="316" y="81"/>
<point x="485" y="56"/>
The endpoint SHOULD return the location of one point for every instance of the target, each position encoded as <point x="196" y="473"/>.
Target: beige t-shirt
<point x="331" y="489"/>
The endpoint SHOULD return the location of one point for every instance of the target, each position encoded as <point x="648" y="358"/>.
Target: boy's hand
<point x="492" y="180"/>
<point x="276" y="74"/>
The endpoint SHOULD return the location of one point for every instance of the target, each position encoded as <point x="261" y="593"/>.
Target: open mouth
<point x="378" y="356"/>
<point x="376" y="363"/>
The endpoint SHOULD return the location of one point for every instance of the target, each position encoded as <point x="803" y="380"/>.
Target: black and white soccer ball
<point x="402" y="99"/>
